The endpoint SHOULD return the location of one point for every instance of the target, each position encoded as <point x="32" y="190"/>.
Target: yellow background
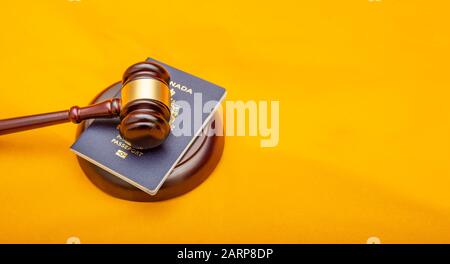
<point x="365" y="119"/>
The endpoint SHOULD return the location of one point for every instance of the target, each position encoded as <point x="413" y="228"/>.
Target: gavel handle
<point x="106" y="109"/>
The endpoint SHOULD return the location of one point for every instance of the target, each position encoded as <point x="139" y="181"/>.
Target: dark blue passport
<point x="194" y="102"/>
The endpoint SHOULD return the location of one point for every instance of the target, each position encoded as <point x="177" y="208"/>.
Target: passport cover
<point x="102" y="145"/>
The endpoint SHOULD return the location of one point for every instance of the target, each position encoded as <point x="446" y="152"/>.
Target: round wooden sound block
<point x="194" y="167"/>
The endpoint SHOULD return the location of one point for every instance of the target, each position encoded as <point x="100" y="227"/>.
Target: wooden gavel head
<point x="145" y="110"/>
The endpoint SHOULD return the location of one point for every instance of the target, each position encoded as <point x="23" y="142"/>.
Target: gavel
<point x="143" y="109"/>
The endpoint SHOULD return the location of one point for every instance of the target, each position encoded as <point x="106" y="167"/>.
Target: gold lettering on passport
<point x="118" y="140"/>
<point x="180" y="87"/>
